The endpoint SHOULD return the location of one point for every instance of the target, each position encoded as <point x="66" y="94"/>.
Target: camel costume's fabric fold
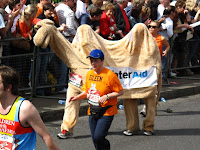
<point x="137" y="50"/>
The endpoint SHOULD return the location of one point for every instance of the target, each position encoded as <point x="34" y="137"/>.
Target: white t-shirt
<point x="167" y="25"/>
<point x="7" y="9"/>
<point x="66" y="16"/>
<point x="13" y="28"/>
<point x="80" y="9"/>
<point x="160" y="11"/>
<point x="2" y="24"/>
<point x="173" y="3"/>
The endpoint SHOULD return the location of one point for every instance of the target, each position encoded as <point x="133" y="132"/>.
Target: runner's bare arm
<point x="81" y="96"/>
<point x="29" y="116"/>
<point x="110" y="96"/>
<point x="167" y="47"/>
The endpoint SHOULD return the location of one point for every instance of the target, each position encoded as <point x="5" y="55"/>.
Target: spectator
<point x="23" y="2"/>
<point x="108" y="27"/>
<point x="180" y="48"/>
<point x="161" y="41"/>
<point x="146" y="12"/>
<point x="92" y="18"/>
<point x="5" y="33"/>
<point x="43" y="59"/>
<point x="23" y="115"/>
<point x="135" y="16"/>
<point x="24" y="27"/>
<point x="108" y="90"/>
<point x="161" y="7"/>
<point x="65" y="16"/>
<point x="167" y="32"/>
<point x="167" y="25"/>
<point x="146" y="3"/>
<point x="193" y="42"/>
<point x="80" y="8"/>
<point x="3" y="3"/>
<point x="95" y="3"/>
<point x="164" y="48"/>
<point x="14" y="8"/>
<point x="40" y="9"/>
<point x="4" y="28"/>
<point x="134" y="3"/>
<point x="40" y="6"/>
<point x="121" y="18"/>
<point x="104" y="5"/>
<point x="153" y="5"/>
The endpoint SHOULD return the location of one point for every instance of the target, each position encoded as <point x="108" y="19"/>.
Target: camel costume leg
<point x="148" y="122"/>
<point x="71" y="109"/>
<point x="131" y="112"/>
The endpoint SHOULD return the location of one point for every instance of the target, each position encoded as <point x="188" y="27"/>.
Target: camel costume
<point x="137" y="50"/>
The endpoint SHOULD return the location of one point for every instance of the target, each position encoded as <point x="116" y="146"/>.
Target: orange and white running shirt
<point x="101" y="84"/>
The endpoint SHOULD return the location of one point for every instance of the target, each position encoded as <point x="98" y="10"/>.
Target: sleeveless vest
<point x="12" y="134"/>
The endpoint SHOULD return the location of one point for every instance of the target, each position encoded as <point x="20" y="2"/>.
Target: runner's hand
<point x="72" y="99"/>
<point x="103" y="99"/>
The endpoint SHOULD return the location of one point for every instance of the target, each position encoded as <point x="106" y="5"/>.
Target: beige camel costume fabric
<point x="137" y="50"/>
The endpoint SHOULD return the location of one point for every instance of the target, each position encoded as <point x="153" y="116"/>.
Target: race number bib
<point x="93" y="95"/>
<point x="75" y="79"/>
<point x="7" y="142"/>
<point x="93" y="99"/>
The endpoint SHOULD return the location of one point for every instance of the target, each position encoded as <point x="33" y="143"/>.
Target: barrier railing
<point x="189" y="65"/>
<point x="30" y="72"/>
<point x="51" y="71"/>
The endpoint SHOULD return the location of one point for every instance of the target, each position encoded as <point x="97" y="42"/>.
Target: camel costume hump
<point x="137" y="50"/>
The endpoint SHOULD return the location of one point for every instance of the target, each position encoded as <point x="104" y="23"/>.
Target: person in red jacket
<point x="108" y="27"/>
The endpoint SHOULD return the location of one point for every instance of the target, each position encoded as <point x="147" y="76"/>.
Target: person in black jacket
<point x="121" y="18"/>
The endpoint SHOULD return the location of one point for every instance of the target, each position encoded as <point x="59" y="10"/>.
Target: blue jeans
<point x="62" y="74"/>
<point x="164" y="61"/>
<point x="164" y="66"/>
<point x="42" y="61"/>
<point x="99" y="130"/>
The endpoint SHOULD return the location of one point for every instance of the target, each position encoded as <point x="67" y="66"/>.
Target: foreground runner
<point x="102" y="88"/>
<point x="19" y="119"/>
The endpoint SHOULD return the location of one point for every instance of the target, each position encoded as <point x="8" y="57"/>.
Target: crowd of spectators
<point x="111" y="19"/>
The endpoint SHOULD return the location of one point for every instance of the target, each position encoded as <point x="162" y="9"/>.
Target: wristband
<point x="112" y="28"/>
<point x="107" y="96"/>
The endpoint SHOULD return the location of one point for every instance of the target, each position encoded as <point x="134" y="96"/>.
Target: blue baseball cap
<point x="96" y="53"/>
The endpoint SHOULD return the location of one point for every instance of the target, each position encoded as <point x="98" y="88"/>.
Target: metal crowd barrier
<point x="189" y="66"/>
<point x="29" y="88"/>
<point x="52" y="71"/>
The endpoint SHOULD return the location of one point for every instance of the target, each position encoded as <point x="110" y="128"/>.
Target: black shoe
<point x="143" y="113"/>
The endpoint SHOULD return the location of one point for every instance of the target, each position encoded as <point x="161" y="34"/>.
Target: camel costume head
<point x="137" y="50"/>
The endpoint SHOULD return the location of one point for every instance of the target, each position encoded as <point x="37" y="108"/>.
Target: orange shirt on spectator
<point x="24" y="28"/>
<point x="40" y="10"/>
<point x="158" y="40"/>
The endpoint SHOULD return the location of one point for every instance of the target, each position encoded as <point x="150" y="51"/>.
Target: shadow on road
<point x="175" y="113"/>
<point x="177" y="132"/>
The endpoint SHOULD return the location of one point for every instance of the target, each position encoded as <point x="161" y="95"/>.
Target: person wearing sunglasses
<point x="161" y="41"/>
<point x="163" y="47"/>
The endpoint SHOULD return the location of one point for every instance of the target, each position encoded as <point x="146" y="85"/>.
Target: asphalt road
<point x="179" y="130"/>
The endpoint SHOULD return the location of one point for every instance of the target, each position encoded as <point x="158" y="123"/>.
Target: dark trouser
<point x="99" y="130"/>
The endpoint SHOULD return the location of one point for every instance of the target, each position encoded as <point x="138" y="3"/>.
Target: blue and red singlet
<point x="12" y="134"/>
